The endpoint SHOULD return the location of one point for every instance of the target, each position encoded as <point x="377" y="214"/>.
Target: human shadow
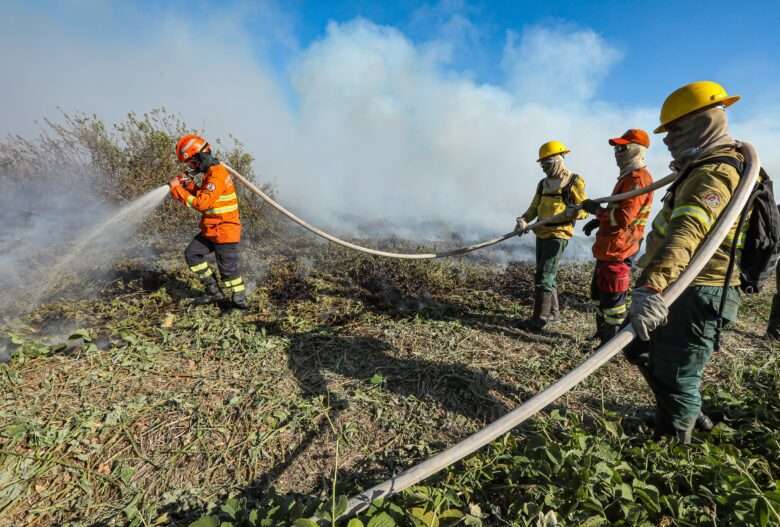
<point x="313" y="355"/>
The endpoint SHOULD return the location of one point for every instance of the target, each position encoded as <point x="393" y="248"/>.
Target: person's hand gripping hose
<point x="648" y="311"/>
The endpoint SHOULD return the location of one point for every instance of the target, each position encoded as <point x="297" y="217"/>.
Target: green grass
<point x="344" y="371"/>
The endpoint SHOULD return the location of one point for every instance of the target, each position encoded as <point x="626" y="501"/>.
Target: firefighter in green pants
<point x="555" y="194"/>
<point x="681" y="338"/>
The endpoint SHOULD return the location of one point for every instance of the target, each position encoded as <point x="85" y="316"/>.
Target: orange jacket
<point x="216" y="199"/>
<point x="622" y="224"/>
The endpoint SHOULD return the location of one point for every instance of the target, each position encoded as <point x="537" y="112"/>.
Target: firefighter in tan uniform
<point x="557" y="193"/>
<point x="682" y="337"/>
<point x="220" y="225"/>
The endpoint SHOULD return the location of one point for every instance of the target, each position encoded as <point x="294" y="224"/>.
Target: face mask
<point x="553" y="166"/>
<point x="696" y="134"/>
<point x="630" y="157"/>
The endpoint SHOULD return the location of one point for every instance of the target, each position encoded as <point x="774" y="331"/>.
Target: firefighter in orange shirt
<point x="621" y="227"/>
<point x="220" y="225"/>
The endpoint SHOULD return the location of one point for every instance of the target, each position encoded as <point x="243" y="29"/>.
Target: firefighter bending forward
<point x="621" y="228"/>
<point x="220" y="227"/>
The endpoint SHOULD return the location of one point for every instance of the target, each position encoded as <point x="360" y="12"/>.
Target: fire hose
<point x="541" y="400"/>
<point x="454" y="252"/>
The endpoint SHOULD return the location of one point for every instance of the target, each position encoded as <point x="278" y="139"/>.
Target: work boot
<point x="542" y="310"/>
<point x="704" y="423"/>
<point x="661" y="425"/>
<point x="239" y="300"/>
<point x="604" y="332"/>
<point x="212" y="294"/>
<point x="555" y="312"/>
<point x="773" y="329"/>
<point x="684" y="436"/>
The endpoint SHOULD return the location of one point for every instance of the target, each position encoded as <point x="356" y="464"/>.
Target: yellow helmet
<point x="551" y="148"/>
<point x="692" y="97"/>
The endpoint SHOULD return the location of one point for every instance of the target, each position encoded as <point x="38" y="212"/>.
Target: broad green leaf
<point x="354" y="522"/>
<point x="381" y="520"/>
<point x="206" y="521"/>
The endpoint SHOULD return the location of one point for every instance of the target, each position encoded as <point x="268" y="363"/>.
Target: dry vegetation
<point x="157" y="409"/>
<point x="134" y="407"/>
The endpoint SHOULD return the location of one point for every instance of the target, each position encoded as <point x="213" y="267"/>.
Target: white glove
<point x="648" y="311"/>
<point x="521" y="226"/>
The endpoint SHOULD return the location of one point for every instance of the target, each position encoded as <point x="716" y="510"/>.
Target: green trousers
<point x="680" y="350"/>
<point x="548" y="256"/>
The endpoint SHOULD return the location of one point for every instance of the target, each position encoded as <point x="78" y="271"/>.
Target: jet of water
<point x="90" y="254"/>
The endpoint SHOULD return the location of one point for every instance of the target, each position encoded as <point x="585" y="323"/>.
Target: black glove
<point x="590" y="206"/>
<point x="590" y="226"/>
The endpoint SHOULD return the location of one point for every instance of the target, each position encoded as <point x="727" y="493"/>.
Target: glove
<point x="648" y="311"/>
<point x="590" y="226"/>
<point x="521" y="226"/>
<point x="175" y="182"/>
<point x="590" y="206"/>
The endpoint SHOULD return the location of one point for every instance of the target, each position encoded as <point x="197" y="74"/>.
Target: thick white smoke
<point x="364" y="130"/>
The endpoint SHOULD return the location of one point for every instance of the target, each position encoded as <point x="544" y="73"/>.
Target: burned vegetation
<point x="126" y="404"/>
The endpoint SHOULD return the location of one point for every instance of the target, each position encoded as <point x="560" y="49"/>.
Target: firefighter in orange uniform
<point x="621" y="227"/>
<point x="220" y="226"/>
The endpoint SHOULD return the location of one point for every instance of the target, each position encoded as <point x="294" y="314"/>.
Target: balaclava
<point x="697" y="134"/>
<point x="556" y="172"/>
<point x="205" y="160"/>
<point x="630" y="158"/>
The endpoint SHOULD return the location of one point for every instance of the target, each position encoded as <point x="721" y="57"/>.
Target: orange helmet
<point x="189" y="145"/>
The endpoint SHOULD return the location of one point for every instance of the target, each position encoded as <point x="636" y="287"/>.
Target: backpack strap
<point x="731" y="161"/>
<point x="565" y="194"/>
<point x="737" y="164"/>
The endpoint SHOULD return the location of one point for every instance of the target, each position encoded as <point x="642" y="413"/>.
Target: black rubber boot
<point x="212" y="294"/>
<point x="704" y="423"/>
<point x="773" y="329"/>
<point x="535" y="322"/>
<point x="604" y="332"/>
<point x="543" y="303"/>
<point x="684" y="436"/>
<point x="239" y="300"/>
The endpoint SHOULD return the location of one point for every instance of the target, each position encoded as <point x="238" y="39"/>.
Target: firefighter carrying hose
<point x="220" y="226"/>
<point x="621" y="228"/>
<point x="557" y="193"/>
<point x="681" y="338"/>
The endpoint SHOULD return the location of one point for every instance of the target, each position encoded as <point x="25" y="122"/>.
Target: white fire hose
<point x="541" y="400"/>
<point x="427" y="256"/>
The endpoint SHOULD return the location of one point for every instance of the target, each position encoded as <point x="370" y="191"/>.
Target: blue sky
<point x="664" y="43"/>
<point x="384" y="109"/>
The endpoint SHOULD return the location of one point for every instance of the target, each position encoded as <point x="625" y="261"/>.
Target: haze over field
<point x="363" y="123"/>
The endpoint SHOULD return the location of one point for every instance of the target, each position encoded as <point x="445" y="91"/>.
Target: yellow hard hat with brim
<point x="692" y="97"/>
<point x="552" y="148"/>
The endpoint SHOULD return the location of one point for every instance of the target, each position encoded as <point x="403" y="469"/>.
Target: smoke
<point x="59" y="237"/>
<point x="365" y="130"/>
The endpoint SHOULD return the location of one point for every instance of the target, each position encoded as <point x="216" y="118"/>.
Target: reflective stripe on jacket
<point x="215" y="198"/>
<point x="550" y="203"/>
<point x="684" y="222"/>
<point x="622" y="224"/>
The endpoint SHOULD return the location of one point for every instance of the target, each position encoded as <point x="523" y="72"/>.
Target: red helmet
<point x="189" y="145"/>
